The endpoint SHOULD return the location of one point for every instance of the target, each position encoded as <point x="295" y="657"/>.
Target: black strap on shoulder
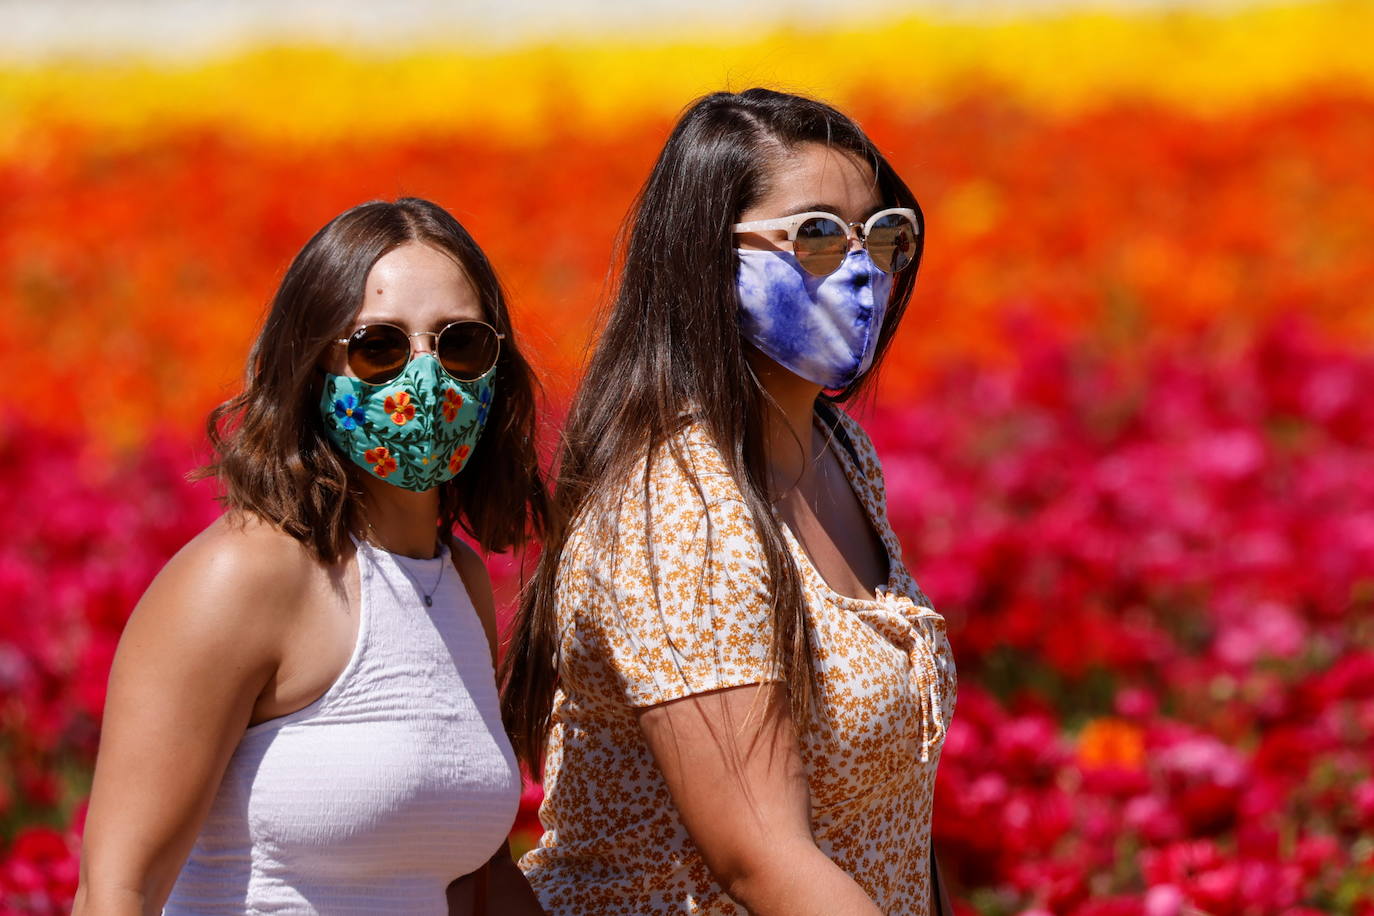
<point x="830" y="416"/>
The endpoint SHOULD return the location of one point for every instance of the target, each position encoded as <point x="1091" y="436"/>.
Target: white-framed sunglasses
<point x="821" y="240"/>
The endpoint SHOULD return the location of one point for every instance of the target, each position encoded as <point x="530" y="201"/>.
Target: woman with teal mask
<point x="302" y="714"/>
<point x="736" y="691"/>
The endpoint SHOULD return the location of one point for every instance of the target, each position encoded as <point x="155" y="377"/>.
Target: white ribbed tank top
<point x="378" y="794"/>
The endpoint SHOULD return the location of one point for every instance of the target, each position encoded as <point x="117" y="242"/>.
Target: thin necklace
<point x="427" y="595"/>
<point x="808" y="463"/>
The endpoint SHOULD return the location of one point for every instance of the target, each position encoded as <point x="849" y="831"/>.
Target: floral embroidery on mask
<point x="483" y="405"/>
<point x="347" y="412"/>
<point x="453" y="402"/>
<point x="458" y="458"/>
<point x="400" y="408"/>
<point x="381" y="460"/>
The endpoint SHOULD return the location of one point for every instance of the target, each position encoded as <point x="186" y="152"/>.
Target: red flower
<point x="41" y="868"/>
<point x="381" y="460"/>
<point x="400" y="408"/>
<point x="458" y="458"/>
<point x="453" y="401"/>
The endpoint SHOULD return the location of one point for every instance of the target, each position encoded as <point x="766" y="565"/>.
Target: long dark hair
<point x="272" y="456"/>
<point x="672" y="344"/>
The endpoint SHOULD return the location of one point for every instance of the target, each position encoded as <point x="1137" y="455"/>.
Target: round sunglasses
<point x="820" y="240"/>
<point x="467" y="350"/>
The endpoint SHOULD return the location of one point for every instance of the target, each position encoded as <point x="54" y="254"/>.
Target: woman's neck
<point x="787" y="422"/>
<point x="399" y="521"/>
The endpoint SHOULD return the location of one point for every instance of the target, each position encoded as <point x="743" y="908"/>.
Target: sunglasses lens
<point x="468" y="350"/>
<point x="378" y="353"/>
<point x="820" y="245"/>
<point x="892" y="242"/>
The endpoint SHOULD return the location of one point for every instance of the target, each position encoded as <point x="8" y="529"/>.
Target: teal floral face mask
<point x="415" y="431"/>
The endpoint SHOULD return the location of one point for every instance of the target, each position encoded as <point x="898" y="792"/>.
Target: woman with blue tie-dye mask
<point x="736" y="692"/>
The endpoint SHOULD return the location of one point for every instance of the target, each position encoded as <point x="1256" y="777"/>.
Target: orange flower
<point x="381" y="459"/>
<point x="1165" y="265"/>
<point x="453" y="401"/>
<point x="1110" y="742"/>
<point x="400" y="408"/>
<point x="458" y="458"/>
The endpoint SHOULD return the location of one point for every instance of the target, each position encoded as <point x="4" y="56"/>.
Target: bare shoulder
<point x="237" y="579"/>
<point x="469" y="565"/>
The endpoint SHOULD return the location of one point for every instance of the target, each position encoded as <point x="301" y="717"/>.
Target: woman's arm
<point x="196" y="653"/>
<point x="731" y="763"/>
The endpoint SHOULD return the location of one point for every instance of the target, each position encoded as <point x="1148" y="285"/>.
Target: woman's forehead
<point x="813" y="176"/>
<point x="417" y="283"/>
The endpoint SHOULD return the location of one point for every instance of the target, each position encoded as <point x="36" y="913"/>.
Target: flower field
<point x="1127" y="426"/>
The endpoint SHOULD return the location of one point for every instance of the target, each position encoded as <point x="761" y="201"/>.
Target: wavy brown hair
<point x="671" y="344"/>
<point x="272" y="456"/>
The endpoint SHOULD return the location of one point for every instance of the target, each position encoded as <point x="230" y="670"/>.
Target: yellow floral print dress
<point x="613" y="843"/>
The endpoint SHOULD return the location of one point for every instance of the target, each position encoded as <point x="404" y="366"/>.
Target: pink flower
<point x="1153" y="819"/>
<point x="1229" y="455"/>
<point x="1316" y="855"/>
<point x="1270" y="629"/>
<point x="1204" y="758"/>
<point x="40" y="868"/>
<point x="1136" y="703"/>
<point x="1363" y="800"/>
<point x="1164" y="900"/>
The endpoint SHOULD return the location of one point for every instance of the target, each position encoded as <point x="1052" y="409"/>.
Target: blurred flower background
<point x="1128" y="427"/>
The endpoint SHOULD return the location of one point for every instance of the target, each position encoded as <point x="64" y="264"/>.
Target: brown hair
<point x="272" y="455"/>
<point x="672" y="344"/>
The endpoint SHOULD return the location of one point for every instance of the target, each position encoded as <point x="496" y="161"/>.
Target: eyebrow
<point x="403" y="324"/>
<point x="361" y="322"/>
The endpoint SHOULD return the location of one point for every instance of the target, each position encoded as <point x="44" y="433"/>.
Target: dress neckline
<point x="859" y="486"/>
<point x="420" y="562"/>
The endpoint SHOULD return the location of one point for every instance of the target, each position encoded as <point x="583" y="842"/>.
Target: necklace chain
<point x="808" y="463"/>
<point x="427" y="595"/>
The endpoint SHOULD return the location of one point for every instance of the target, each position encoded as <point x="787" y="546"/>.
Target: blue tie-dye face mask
<point x="825" y="329"/>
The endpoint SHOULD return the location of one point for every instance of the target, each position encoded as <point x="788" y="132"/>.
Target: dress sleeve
<point x="686" y="606"/>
